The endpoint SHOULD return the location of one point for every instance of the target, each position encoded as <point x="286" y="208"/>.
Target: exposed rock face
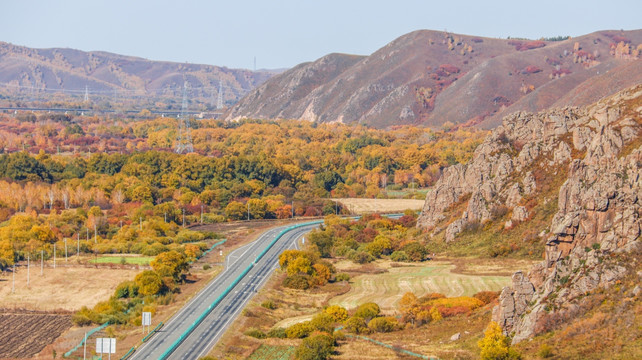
<point x="599" y="152"/>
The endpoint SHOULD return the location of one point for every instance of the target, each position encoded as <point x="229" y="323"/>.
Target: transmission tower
<point x="219" y="103"/>
<point x="184" y="143"/>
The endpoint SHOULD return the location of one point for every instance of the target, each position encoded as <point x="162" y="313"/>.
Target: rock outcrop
<point x="597" y="153"/>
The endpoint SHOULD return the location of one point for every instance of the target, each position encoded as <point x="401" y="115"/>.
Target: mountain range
<point x="434" y="78"/>
<point x="38" y="72"/>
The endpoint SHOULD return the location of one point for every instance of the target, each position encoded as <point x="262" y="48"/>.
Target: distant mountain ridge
<point x="432" y="78"/>
<point x="27" y="69"/>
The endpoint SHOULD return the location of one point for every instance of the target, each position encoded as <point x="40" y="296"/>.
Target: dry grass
<point x="365" y="206"/>
<point x="66" y="288"/>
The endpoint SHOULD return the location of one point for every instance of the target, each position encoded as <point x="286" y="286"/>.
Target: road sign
<point x="105" y="345"/>
<point x="147" y="318"/>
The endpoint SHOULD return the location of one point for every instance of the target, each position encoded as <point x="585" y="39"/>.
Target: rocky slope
<point x="587" y="160"/>
<point x="430" y="78"/>
<point x="23" y="68"/>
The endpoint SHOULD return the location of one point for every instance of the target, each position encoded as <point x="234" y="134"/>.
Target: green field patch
<point x="135" y="260"/>
<point x="273" y="352"/>
<point x="387" y="289"/>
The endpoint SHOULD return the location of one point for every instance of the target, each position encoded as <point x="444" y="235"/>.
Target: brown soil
<point x="23" y="334"/>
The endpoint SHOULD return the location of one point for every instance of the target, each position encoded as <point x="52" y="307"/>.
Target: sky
<point x="283" y="33"/>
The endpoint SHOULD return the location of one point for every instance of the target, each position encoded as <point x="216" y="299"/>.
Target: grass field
<point x="134" y="260"/>
<point x="363" y="206"/>
<point x="386" y="289"/>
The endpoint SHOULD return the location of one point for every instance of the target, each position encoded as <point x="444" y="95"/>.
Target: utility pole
<point x="42" y="262"/>
<point x="248" y="210"/>
<point x="201" y="214"/>
<point x="13" y="286"/>
<point x="292" y="209"/>
<point x="219" y="102"/>
<point x="28" y="268"/>
<point x="78" y="248"/>
<point x="54" y="256"/>
<point x="66" y="258"/>
<point x="184" y="141"/>
<point x="95" y="234"/>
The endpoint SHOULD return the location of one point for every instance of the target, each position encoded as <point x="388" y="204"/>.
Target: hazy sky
<point x="283" y="33"/>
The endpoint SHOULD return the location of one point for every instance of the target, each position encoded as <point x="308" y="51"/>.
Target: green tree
<point x="495" y="346"/>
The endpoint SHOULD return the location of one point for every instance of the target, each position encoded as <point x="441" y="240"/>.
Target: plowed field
<point x="22" y="335"/>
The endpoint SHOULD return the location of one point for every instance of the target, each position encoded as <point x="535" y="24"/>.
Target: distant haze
<point x="284" y="33"/>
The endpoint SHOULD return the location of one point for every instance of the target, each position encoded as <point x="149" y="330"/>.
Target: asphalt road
<point x="209" y="331"/>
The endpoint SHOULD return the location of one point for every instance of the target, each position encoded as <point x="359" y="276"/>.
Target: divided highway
<point x="232" y="289"/>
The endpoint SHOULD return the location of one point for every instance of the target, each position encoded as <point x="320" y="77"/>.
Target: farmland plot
<point x="22" y="335"/>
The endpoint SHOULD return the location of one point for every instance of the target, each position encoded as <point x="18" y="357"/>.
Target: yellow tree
<point x="495" y="345"/>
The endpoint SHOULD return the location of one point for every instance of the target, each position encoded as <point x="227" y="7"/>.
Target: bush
<point x="486" y="296"/>
<point x="337" y="312"/>
<point x="399" y="256"/>
<point x="296" y="281"/>
<point x="269" y="304"/>
<point x="342" y="277"/>
<point x="368" y="311"/>
<point x="361" y="257"/>
<point x="317" y="347"/>
<point x="323" y="322"/>
<point x="383" y="324"/>
<point x="206" y="267"/>
<point x="545" y="351"/>
<point x="298" y="331"/>
<point x="255" y="333"/>
<point x="278" y="333"/>
<point x="356" y="325"/>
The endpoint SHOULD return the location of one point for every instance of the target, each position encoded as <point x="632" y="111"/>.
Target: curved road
<point x="209" y="331"/>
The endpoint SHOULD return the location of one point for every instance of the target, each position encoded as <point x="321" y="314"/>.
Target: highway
<point x="203" y="337"/>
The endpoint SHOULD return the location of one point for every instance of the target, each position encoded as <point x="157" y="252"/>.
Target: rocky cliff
<point x="595" y="155"/>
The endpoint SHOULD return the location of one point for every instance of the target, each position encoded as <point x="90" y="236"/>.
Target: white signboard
<point x="105" y="345"/>
<point x="147" y="318"/>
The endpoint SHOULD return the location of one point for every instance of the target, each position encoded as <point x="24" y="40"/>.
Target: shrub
<point x="486" y="296"/>
<point x="277" y="333"/>
<point x="206" y="267"/>
<point x="149" y="283"/>
<point x="317" y="347"/>
<point x="337" y="312"/>
<point x="296" y="281"/>
<point x="342" y="277"/>
<point x="298" y="331"/>
<point x="361" y="257"/>
<point x="367" y="311"/>
<point x="545" y="351"/>
<point x="322" y="322"/>
<point x="255" y="333"/>
<point x="383" y="324"/>
<point x="399" y="256"/>
<point x="415" y="251"/>
<point x="356" y="325"/>
<point x="269" y="304"/>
